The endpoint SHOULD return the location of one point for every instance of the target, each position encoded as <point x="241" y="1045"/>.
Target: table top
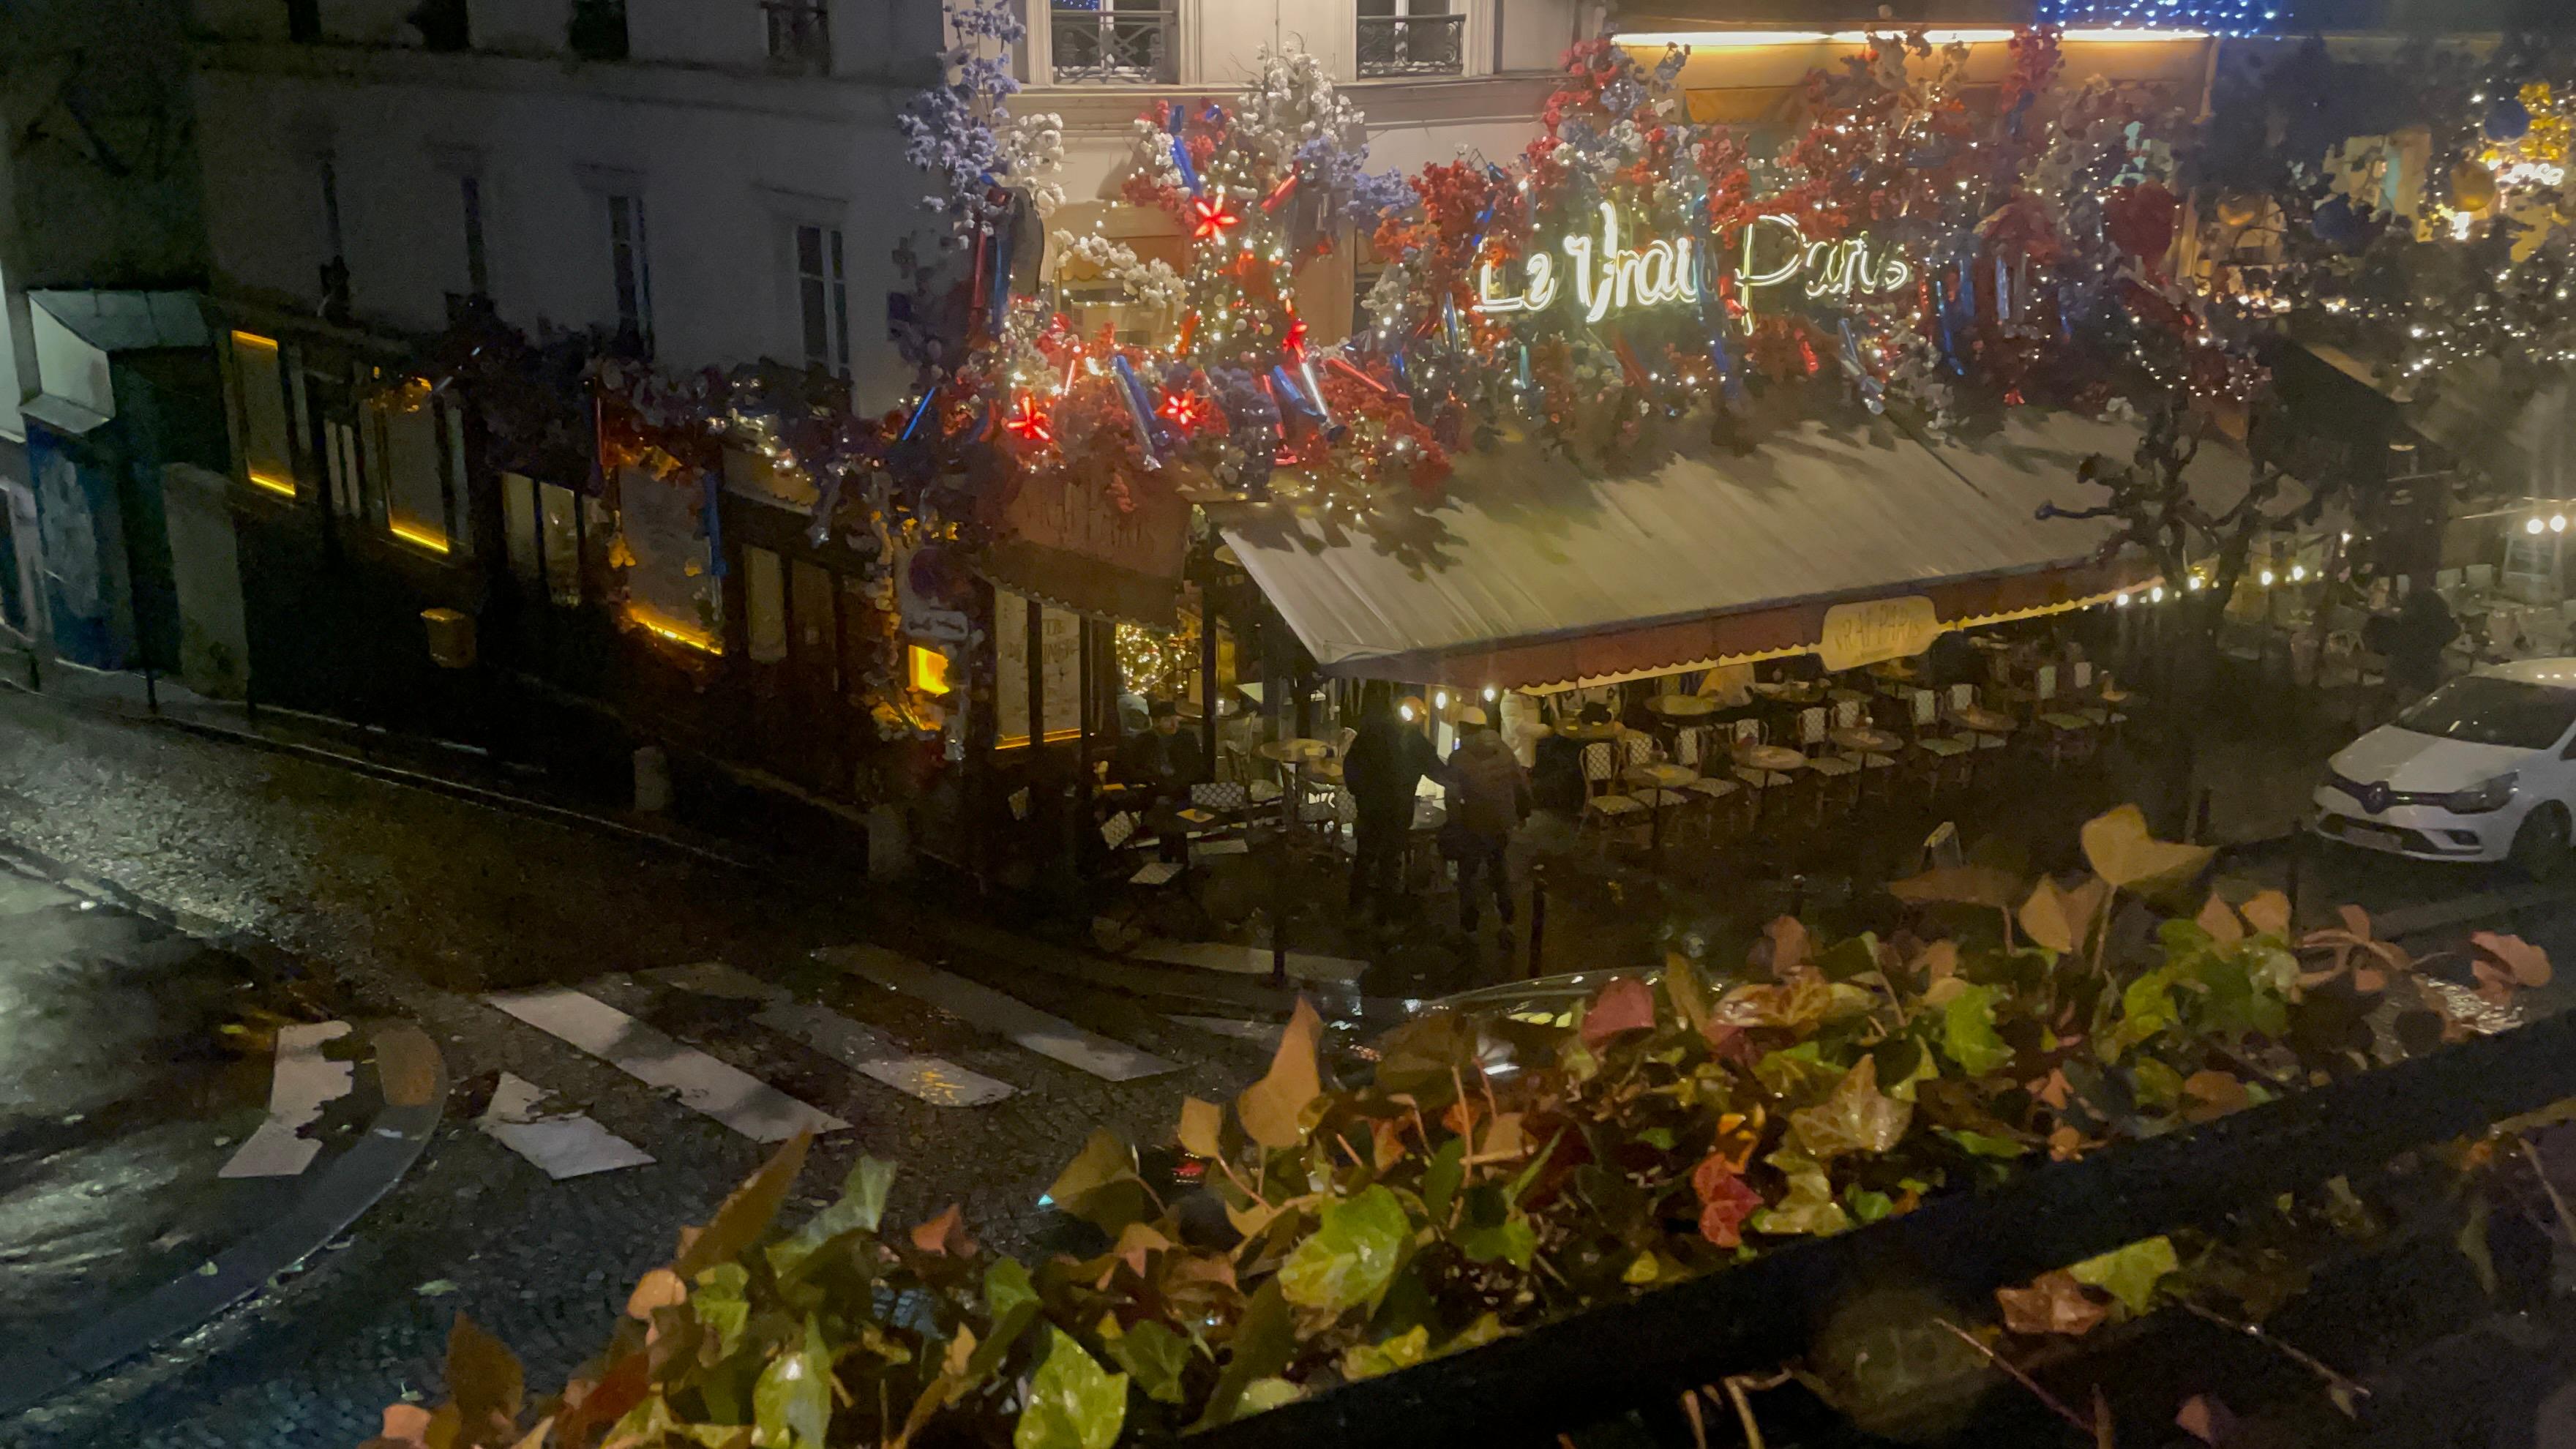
<point x="1662" y="777"/>
<point x="1775" y="758"/>
<point x="1840" y="695"/>
<point x="1985" y="721"/>
<point x="1989" y="643"/>
<point x="1293" y="750"/>
<point x="1588" y="734"/>
<point x="1894" y="669"/>
<point x="1868" y="741"/>
<point x="1786" y="689"/>
<point x="1682" y="706"/>
<point x="1328" y="771"/>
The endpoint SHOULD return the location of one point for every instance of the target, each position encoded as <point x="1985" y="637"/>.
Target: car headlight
<point x="2480" y="798"/>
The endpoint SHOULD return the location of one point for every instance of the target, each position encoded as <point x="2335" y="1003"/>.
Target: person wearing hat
<point x="1165" y="759"/>
<point x="1489" y="797"/>
<point x="1385" y="766"/>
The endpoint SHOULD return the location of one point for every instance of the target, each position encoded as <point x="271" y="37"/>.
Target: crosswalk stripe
<point x="1260" y="1033"/>
<point x="1006" y="1016"/>
<point x="863" y="1049"/>
<point x="302" y="1082"/>
<point x="1249" y="960"/>
<point x="563" y="1145"/>
<point x="700" y="1082"/>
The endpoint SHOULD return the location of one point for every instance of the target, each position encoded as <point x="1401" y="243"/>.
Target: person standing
<point x="1489" y="797"/>
<point x="2423" y="629"/>
<point x="1384" y="768"/>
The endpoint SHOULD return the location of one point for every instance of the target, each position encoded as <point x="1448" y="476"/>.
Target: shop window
<point x="764" y="600"/>
<point x="544" y="537"/>
<point x="418" y="458"/>
<point x="260" y="414"/>
<point x="1060" y="651"/>
<point x="670" y="588"/>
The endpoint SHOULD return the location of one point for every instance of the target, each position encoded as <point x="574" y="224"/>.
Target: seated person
<point x="1165" y="760"/>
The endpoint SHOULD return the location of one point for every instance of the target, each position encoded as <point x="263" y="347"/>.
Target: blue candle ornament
<point x="1138" y="411"/>
<point x="1181" y="158"/>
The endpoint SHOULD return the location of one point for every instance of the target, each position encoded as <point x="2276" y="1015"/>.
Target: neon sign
<point x="1609" y="278"/>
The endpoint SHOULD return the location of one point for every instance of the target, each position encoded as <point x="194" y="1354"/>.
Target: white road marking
<point x="1261" y="1033"/>
<point x="20" y="895"/>
<point x="733" y="1097"/>
<point x="863" y="1049"/>
<point x="1249" y="960"/>
<point x="301" y="1084"/>
<point x="565" y="1145"/>
<point x="1007" y="1016"/>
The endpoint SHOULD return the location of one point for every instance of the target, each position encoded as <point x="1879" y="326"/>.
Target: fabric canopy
<point x="1534" y="575"/>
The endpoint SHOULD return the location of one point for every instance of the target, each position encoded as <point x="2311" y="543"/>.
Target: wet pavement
<point x="416" y="904"/>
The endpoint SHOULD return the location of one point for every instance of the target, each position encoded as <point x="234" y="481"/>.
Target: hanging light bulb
<point x="1492" y="694"/>
<point x="2534" y="526"/>
<point x="1406" y="711"/>
<point x="2156" y="595"/>
<point x="2121" y="600"/>
<point x="2267" y="578"/>
<point x="2298" y="573"/>
<point x="1440" y="701"/>
<point x="2558" y="523"/>
<point x="2197" y="583"/>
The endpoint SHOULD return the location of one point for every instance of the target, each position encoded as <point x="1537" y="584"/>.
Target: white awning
<point x="1535" y="574"/>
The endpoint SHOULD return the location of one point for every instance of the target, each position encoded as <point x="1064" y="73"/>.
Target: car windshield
<point x="2484" y="710"/>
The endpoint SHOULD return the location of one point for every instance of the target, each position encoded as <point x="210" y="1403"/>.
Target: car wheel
<point x="2540" y="847"/>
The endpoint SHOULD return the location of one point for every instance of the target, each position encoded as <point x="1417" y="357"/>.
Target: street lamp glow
<point x="2156" y="595"/>
<point x="2534" y="526"/>
<point x="2558" y="523"/>
<point x="2298" y="573"/>
<point x="2267" y="578"/>
<point x="2122" y="600"/>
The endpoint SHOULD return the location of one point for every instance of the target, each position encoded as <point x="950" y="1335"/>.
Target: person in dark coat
<point x="1385" y="766"/>
<point x="1489" y="797"/>
<point x="2423" y="629"/>
<point x="1558" y="776"/>
<point x="1165" y="759"/>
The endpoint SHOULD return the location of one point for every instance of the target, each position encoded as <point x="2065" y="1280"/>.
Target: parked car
<point x="2481" y="769"/>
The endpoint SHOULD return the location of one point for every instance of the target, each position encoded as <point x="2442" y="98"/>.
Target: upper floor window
<point x="1111" y="40"/>
<point x="304" y="21"/>
<point x="597" y="29"/>
<point x="1411" y="37"/>
<point x="823" y="299"/>
<point x="478" y="259"/>
<point x="800" y="32"/>
<point x="444" y="24"/>
<point x="631" y="271"/>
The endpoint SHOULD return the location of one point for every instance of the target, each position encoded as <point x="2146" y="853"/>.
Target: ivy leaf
<point x="2219" y="921"/>
<point x="483" y="1376"/>
<point x="2130" y="1274"/>
<point x="860" y="1209"/>
<point x="792" y="1402"/>
<point x="1626" y="1004"/>
<point x="1973" y="885"/>
<point x="2122" y="852"/>
<point x="1866" y="1206"/>
<point x="1983" y="1144"/>
<point x="1687" y="993"/>
<point x="1007" y="1287"/>
<point x="2268" y="913"/>
<point x="1262" y="1395"/>
<point x="1726" y="1200"/>
<point x="1155" y="1356"/>
<point x="2061" y="920"/>
<point x="1352" y="1253"/>
<point x="1265" y="1338"/>
<point x="1404" y="1350"/>
<point x="1512" y="1240"/>
<point x="1796" y="1072"/>
<point x="1072" y="1402"/>
<point x="1810" y="1205"/>
<point x="2053" y="1303"/>
<point x="721" y="1305"/>
<point x="1448" y="1167"/>
<point x="1856" y="1118"/>
<point x="1270" y="1108"/>
<point x="1100" y="1185"/>
<point x="1968" y="1032"/>
<point x="1202" y="1128"/>
<point x="745" y="1214"/>
<point x="2147" y="1005"/>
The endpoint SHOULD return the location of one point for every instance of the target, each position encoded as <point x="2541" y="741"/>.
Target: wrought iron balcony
<point x="1412" y="44"/>
<point x="1094" y="43"/>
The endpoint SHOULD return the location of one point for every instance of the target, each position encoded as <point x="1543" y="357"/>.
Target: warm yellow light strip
<point x="929" y="671"/>
<point x="284" y="487"/>
<point x="1751" y="39"/>
<point x="677" y="633"/>
<point x="253" y="339"/>
<point x="417" y="536"/>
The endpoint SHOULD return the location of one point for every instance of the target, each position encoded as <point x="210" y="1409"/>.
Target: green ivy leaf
<point x="1265" y="1338"/>
<point x="2147" y="1005"/>
<point x="1404" y="1350"/>
<point x="1264" y="1394"/>
<point x="1659" y="1138"/>
<point x="720" y="1305"/>
<point x="1512" y="1240"/>
<point x="2130" y="1274"/>
<point x="1810" y="1205"/>
<point x="860" y="1208"/>
<point x="1006" y="1287"/>
<point x="1440" y="1179"/>
<point x="1968" y="1032"/>
<point x="1155" y="1356"/>
<point x="1100" y="1185"/>
<point x="1351" y="1254"/>
<point x="2157" y="1085"/>
<point x="1856" y="1118"/>
<point x="792" y="1403"/>
<point x="1865" y="1206"/>
<point x="1799" y="1073"/>
<point x="1984" y="1145"/>
<point x="1072" y="1402"/>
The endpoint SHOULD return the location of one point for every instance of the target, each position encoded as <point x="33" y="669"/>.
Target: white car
<point x="2480" y="769"/>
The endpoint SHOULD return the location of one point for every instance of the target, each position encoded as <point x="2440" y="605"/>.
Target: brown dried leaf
<point x="1202" y="1128"/>
<point x="746" y="1213"/>
<point x="2212" y="1094"/>
<point x="483" y="1376"/>
<point x="1270" y="1108"/>
<point x="2526" y="963"/>
<point x="406" y="1424"/>
<point x="660" y="1288"/>
<point x="2268" y="913"/>
<point x="2125" y="854"/>
<point x="2219" y="921"/>
<point x="1790" y="945"/>
<point x="2053" y="1303"/>
<point x="945" y="1234"/>
<point x="2204" y="1418"/>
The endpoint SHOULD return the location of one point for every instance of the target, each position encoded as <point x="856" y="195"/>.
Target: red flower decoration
<point x="1209" y="216"/>
<point x="1185" y="410"/>
<point x="1029" y="422"/>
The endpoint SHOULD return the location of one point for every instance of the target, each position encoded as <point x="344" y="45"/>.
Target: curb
<point x="413" y="1077"/>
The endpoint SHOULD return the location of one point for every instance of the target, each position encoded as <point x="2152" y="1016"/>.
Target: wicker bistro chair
<point x="1603" y="805"/>
<point x="1849" y="715"/>
<point x="2106" y="705"/>
<point x="1964" y="697"/>
<point x="1938" y="750"/>
<point x="2063" y="726"/>
<point x="1823" y="762"/>
<point x="1760" y="782"/>
<point x="1693" y="747"/>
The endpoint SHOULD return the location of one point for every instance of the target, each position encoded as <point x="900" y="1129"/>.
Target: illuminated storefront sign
<point x="1608" y="278"/>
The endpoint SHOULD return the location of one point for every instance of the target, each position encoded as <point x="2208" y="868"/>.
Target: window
<point x="764" y="597"/>
<point x="1411" y="37"/>
<point x="259" y="414"/>
<point x="418" y="452"/>
<point x="800" y="32"/>
<point x="545" y="537"/>
<point x="1110" y="40"/>
<point x="597" y="30"/>
<point x="335" y="265"/>
<point x="630" y="270"/>
<point x="478" y="266"/>
<point x="304" y="21"/>
<point x="823" y="299"/>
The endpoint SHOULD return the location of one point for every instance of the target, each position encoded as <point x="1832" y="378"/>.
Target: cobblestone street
<point x="415" y="905"/>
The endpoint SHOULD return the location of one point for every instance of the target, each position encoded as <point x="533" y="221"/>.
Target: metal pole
<point x="151" y="691"/>
<point x="1538" y="915"/>
<point x="1207" y="676"/>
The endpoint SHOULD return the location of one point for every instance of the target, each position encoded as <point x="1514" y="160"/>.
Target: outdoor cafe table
<point x="1589" y="734"/>
<point x="1985" y="721"/>
<point x="1867" y="741"/>
<point x="1768" y="760"/>
<point x="1303" y="755"/>
<point x="1659" y="779"/>
<point x="1682" y="706"/>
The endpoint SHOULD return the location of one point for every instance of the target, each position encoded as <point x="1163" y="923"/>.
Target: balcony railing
<point x="800" y="33"/>
<point x="1412" y="44"/>
<point x="1094" y="43"/>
